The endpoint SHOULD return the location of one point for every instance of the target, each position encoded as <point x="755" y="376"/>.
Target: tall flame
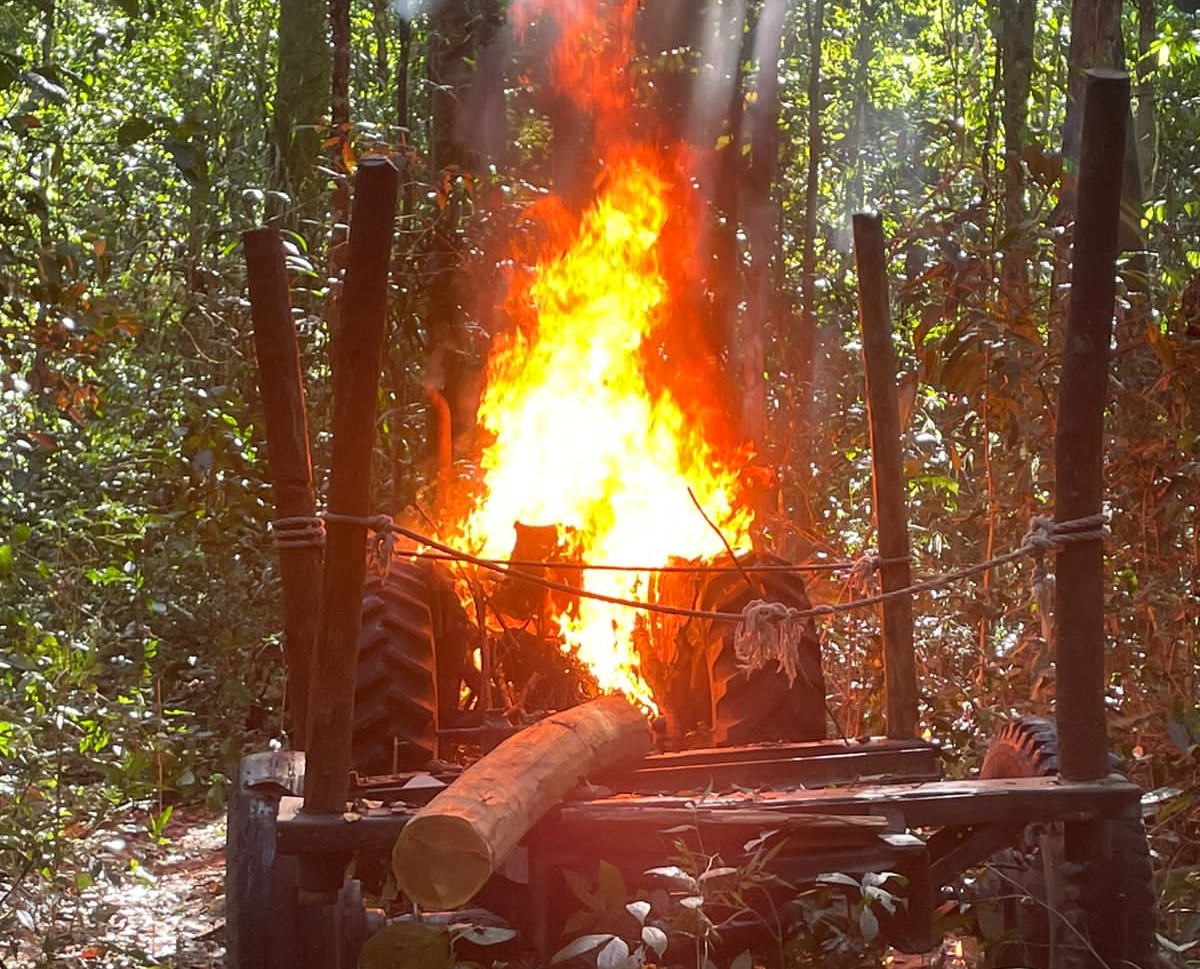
<point x="593" y="430"/>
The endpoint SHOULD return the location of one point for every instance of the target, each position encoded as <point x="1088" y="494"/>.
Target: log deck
<point x="903" y="806"/>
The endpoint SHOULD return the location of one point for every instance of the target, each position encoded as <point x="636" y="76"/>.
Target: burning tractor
<point x="616" y="674"/>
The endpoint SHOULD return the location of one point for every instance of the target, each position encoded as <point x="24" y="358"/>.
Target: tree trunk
<point x="864" y="50"/>
<point x="451" y="846"/>
<point x="726" y="280"/>
<point x="1016" y="61"/>
<point x="812" y="182"/>
<point x="484" y="120"/>
<point x="804" y="351"/>
<point x="1145" y="125"/>
<point x="381" y="28"/>
<point x="1097" y="42"/>
<point x="339" y="101"/>
<point x="301" y="98"/>
<point x="449" y="67"/>
<point x="450" y="52"/>
<point x="761" y="219"/>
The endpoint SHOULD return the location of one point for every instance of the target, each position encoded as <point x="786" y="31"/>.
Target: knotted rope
<point x="299" y="531"/>
<point x="302" y="531"/>
<point x="1046" y="535"/>
<point x="383" y="542"/>
<point x="771" y="631"/>
<point x="766" y="635"/>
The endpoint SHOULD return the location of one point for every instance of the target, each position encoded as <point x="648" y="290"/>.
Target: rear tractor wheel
<point x="412" y="651"/>
<point x="749" y="707"/>
<point x="1054" y="913"/>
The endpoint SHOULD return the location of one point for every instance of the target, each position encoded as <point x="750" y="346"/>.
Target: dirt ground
<point x="156" y="904"/>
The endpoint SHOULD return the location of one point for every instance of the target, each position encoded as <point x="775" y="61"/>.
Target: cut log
<point x="452" y="845"/>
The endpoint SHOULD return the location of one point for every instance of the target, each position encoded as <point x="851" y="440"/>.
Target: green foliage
<point x="702" y="901"/>
<point x="418" y="945"/>
<point x="139" y="647"/>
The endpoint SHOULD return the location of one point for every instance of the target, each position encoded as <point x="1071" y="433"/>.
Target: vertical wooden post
<point x="282" y="387"/>
<point x="887" y="474"/>
<point x="357" y="343"/>
<point x="1079" y="440"/>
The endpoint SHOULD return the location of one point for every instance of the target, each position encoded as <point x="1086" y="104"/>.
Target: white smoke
<point x="410" y="9"/>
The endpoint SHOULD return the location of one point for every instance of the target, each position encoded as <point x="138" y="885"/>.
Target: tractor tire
<point x="395" y="694"/>
<point x="261" y="914"/>
<point x="758" y="706"/>
<point x="1057" y="913"/>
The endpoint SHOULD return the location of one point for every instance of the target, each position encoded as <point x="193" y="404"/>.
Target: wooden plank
<point x="1079" y="439"/>
<point x="887" y="475"/>
<point x="286" y="422"/>
<point x="745" y="753"/>
<point x="357" y="345"/>
<point x="450" y="848"/>
<point x="956" y="849"/>
<point x="847" y="828"/>
<point x="1023" y="800"/>
<point x="808" y="768"/>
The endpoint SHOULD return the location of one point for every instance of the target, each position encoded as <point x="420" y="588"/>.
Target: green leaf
<point x="581" y="889"/>
<point x="481" y="934"/>
<point x="612" y="885"/>
<point x="837" y="878"/>
<point x="189" y="159"/>
<point x="654" y="939"/>
<point x="10" y="71"/>
<point x="408" y="945"/>
<point x="585" y="943"/>
<point x="133" y="131"/>
<point x="615" y="955"/>
<point x="743" y="961"/>
<point x="6" y="560"/>
<point x="639" y="910"/>
<point x="868" y="924"/>
<point x="676" y="876"/>
<point x="44" y="89"/>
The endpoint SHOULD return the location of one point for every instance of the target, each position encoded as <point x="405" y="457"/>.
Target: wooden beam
<point x="887" y="475"/>
<point x="357" y="343"/>
<point x="1079" y="439"/>
<point x="1023" y="800"/>
<point x="452" y="845"/>
<point x="282" y="387"/>
<point x="778" y="766"/>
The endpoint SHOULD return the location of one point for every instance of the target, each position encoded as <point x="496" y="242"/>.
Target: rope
<point x="765" y="636"/>
<point x="298" y="532"/>
<point x="384" y="542"/>
<point x="560" y="566"/>
<point x="305" y="532"/>
<point x="1046" y="535"/>
<point x="1043" y="535"/>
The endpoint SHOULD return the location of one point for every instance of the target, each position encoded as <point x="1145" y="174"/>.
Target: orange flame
<point x="595" y="425"/>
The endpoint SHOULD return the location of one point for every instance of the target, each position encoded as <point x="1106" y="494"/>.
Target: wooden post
<point x="887" y="474"/>
<point x="1079" y="440"/>
<point x="357" y="343"/>
<point x="282" y="389"/>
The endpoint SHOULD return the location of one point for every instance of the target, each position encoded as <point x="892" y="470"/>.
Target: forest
<point x="141" y="646"/>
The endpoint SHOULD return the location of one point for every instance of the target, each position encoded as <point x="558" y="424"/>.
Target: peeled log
<point x="450" y="848"/>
